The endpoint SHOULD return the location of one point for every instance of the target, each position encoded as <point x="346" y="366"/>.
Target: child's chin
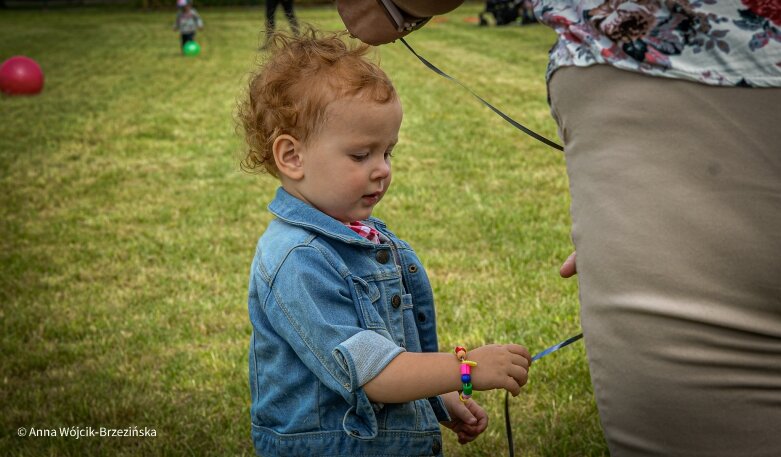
<point x="363" y="216"/>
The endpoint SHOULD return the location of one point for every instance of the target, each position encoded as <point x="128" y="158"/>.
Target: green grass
<point x="127" y="229"/>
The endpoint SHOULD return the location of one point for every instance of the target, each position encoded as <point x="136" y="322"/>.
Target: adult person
<point x="271" y="9"/>
<point x="668" y="111"/>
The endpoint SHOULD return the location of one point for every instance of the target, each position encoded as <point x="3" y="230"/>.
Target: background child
<point x="188" y="21"/>
<point x="343" y="354"/>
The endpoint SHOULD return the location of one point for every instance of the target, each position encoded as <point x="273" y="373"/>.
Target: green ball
<point x="191" y="49"/>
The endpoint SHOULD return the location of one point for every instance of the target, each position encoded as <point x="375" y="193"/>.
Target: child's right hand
<point x="500" y="366"/>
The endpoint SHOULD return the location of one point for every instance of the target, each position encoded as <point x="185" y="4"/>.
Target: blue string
<point x="507" y="426"/>
<point x="556" y="347"/>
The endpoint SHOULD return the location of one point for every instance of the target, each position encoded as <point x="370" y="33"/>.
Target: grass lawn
<point x="127" y="229"/>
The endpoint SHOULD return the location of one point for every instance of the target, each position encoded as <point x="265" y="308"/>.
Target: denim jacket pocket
<point x="368" y="294"/>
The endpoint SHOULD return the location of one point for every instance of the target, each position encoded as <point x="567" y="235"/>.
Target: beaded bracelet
<point x="466" y="374"/>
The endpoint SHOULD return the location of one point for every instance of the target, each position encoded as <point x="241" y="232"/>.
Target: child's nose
<point x="381" y="169"/>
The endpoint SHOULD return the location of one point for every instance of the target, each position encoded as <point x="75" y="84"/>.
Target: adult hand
<point x="569" y="268"/>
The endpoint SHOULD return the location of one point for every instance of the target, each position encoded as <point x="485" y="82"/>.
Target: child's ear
<point x="287" y="156"/>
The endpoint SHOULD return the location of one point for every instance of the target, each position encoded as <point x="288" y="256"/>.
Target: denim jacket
<point x="329" y="311"/>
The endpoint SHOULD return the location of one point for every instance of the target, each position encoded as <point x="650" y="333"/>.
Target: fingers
<point x="466" y="436"/>
<point x="520" y="361"/>
<point x="481" y="416"/>
<point x="519" y="374"/>
<point x="512" y="385"/>
<point x="517" y="349"/>
<point x="569" y="268"/>
<point x="468" y="432"/>
<point x="462" y="412"/>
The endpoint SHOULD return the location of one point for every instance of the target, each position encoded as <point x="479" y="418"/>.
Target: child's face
<point x="346" y="165"/>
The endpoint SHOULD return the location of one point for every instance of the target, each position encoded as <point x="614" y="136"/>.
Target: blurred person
<point x="188" y="21"/>
<point x="271" y="9"/>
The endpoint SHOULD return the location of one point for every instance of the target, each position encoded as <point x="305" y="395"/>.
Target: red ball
<point x="21" y="75"/>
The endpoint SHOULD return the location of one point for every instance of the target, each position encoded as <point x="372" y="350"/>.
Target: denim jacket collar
<point x="297" y="212"/>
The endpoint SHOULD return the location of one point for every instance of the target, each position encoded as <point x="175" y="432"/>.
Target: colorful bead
<point x="466" y="374"/>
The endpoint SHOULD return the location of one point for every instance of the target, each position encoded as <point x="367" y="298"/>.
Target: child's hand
<point x="500" y="366"/>
<point x="469" y="419"/>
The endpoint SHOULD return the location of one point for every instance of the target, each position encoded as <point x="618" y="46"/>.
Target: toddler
<point x="343" y="355"/>
<point x="188" y="21"/>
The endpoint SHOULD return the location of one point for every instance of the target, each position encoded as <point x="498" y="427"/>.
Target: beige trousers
<point x="676" y="218"/>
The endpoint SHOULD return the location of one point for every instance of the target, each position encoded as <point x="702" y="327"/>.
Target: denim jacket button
<point x="436" y="447"/>
<point x="396" y="301"/>
<point x="413" y="268"/>
<point x="382" y="256"/>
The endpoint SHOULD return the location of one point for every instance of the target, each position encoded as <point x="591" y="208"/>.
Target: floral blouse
<point x="719" y="42"/>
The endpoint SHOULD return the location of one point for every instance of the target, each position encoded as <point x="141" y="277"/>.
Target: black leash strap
<point x="536" y="136"/>
<point x="537" y="356"/>
<point x="507" y="118"/>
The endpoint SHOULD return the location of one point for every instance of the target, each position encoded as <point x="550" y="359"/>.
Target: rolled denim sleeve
<point x="365" y="355"/>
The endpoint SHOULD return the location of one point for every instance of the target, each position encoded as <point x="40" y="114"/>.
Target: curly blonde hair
<point x="290" y="91"/>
